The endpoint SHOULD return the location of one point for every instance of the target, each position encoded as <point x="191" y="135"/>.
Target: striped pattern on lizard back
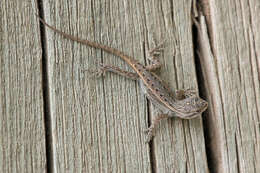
<point x="160" y="94"/>
<point x="156" y="87"/>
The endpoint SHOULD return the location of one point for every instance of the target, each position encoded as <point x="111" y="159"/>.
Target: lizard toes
<point x="149" y="137"/>
<point x="97" y="73"/>
<point x="149" y="134"/>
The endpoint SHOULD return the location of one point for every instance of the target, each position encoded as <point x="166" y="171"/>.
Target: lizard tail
<point x="116" y="52"/>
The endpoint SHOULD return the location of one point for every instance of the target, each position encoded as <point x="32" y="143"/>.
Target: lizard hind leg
<point x="103" y="69"/>
<point x="151" y="130"/>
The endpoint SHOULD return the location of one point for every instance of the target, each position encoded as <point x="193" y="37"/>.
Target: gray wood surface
<point x="179" y="145"/>
<point x="96" y="125"/>
<point x="231" y="73"/>
<point x="22" y="134"/>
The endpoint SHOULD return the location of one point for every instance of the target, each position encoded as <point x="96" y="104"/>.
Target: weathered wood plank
<point x="22" y="136"/>
<point x="232" y="78"/>
<point x="180" y="145"/>
<point x="98" y="124"/>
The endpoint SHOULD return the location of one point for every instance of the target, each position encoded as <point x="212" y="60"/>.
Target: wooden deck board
<point x="179" y="144"/>
<point x="232" y="79"/>
<point x="96" y="122"/>
<point x="22" y="134"/>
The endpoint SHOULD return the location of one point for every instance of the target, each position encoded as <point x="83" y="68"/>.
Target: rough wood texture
<point x="179" y="145"/>
<point x="98" y="124"/>
<point x="232" y="79"/>
<point x="22" y="136"/>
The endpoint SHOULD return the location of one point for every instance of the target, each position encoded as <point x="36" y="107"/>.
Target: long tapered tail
<point x="116" y="52"/>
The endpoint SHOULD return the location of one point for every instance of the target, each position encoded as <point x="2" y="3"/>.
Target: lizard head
<point x="191" y="107"/>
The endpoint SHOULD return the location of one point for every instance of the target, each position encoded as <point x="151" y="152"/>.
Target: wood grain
<point x="98" y="124"/>
<point x="179" y="145"/>
<point x="22" y="135"/>
<point x="231" y="67"/>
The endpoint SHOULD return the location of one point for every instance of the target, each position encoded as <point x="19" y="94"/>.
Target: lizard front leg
<point x="153" y="57"/>
<point x="110" y="68"/>
<point x="183" y="94"/>
<point x="151" y="130"/>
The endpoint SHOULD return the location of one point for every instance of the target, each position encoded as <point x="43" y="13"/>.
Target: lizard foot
<point x="157" y="50"/>
<point x="150" y="134"/>
<point x="153" y="57"/>
<point x="101" y="71"/>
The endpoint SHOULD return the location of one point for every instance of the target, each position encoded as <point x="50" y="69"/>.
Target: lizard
<point x="185" y="104"/>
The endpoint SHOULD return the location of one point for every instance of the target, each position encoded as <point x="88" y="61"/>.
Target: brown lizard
<point x="184" y="104"/>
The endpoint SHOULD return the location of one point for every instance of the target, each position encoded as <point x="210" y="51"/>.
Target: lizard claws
<point x="101" y="71"/>
<point x="150" y="134"/>
<point x="157" y="50"/>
